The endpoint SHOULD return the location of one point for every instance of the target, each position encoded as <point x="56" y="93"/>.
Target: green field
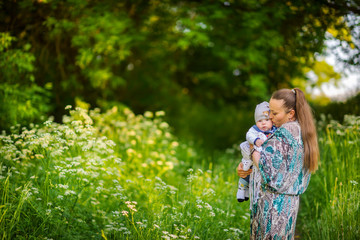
<point x="117" y="175"/>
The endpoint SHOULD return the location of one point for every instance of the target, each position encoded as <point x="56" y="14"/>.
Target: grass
<point x="330" y="207"/>
<point x="114" y="176"/>
<point x="117" y="175"/>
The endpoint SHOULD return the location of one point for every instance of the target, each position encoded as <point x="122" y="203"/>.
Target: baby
<point x="255" y="137"/>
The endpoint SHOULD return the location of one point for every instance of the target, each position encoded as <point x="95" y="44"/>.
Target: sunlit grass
<point x="117" y="175"/>
<point x="331" y="205"/>
<point x="114" y="175"/>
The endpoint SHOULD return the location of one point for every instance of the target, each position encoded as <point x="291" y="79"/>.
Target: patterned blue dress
<point x="283" y="179"/>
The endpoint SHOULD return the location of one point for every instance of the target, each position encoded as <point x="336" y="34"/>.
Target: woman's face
<point x="278" y="114"/>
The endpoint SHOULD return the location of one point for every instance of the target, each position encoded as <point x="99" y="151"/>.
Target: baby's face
<point x="264" y="124"/>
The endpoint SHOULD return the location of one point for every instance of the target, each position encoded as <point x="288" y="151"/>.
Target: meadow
<point x="330" y="206"/>
<point x="117" y="175"/>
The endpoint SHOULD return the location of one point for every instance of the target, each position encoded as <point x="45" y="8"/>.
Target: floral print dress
<point x="278" y="183"/>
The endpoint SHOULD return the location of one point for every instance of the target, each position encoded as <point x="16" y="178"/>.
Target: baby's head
<point x="262" y="119"/>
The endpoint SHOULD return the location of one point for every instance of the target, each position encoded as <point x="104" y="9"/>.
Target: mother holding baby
<point x="283" y="167"/>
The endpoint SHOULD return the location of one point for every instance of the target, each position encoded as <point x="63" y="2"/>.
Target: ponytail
<point x="295" y="99"/>
<point x="303" y="114"/>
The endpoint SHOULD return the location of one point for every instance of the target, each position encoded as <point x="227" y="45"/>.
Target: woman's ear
<point x="291" y="114"/>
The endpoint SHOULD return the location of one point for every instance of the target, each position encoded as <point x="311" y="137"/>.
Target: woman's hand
<point x="241" y="173"/>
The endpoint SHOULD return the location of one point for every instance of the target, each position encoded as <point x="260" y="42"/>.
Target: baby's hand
<point x="259" y="142"/>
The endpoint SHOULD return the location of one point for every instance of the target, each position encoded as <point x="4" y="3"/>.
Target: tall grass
<point x="117" y="175"/>
<point x="114" y="175"/>
<point x="330" y="207"/>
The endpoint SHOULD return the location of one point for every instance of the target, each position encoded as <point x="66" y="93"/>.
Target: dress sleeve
<point x="280" y="162"/>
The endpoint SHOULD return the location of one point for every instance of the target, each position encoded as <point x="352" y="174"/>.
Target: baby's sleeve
<point x="251" y="135"/>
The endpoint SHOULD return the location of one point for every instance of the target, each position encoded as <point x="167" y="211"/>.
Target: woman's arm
<point x="256" y="158"/>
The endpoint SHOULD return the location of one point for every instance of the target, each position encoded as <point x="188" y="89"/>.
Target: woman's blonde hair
<point x="295" y="99"/>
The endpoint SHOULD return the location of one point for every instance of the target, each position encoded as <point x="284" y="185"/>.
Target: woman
<point x="283" y="167"/>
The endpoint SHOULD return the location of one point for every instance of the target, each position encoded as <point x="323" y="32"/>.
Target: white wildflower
<point x="125" y="213"/>
<point x="353" y="182"/>
<point x="148" y="114"/>
<point x="69" y="192"/>
<point x="160" y="113"/>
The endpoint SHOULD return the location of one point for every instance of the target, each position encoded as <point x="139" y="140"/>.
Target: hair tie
<point x="293" y="90"/>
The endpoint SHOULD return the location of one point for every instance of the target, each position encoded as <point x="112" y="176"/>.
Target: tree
<point x="197" y="60"/>
<point x="23" y="101"/>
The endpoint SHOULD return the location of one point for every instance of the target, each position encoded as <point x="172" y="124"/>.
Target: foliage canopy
<point x="197" y="60"/>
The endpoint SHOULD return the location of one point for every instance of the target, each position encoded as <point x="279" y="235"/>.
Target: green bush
<point x="23" y="101"/>
<point x="337" y="110"/>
